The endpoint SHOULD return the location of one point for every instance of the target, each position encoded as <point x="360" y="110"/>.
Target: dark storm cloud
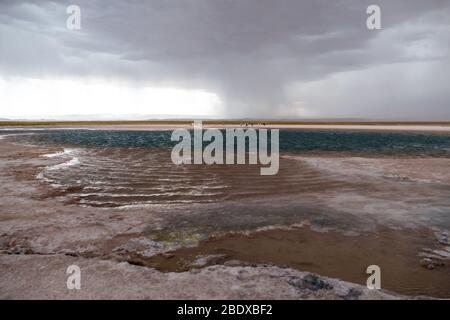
<point x="263" y="57"/>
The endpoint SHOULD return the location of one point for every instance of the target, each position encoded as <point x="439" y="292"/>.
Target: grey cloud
<point x="264" y="58"/>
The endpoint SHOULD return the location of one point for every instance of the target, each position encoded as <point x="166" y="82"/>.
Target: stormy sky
<point x="226" y="58"/>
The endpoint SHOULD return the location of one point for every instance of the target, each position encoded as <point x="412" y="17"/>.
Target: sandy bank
<point x="172" y="126"/>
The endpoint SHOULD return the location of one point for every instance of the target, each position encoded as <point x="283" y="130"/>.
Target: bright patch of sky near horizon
<point x="35" y="98"/>
<point x="227" y="59"/>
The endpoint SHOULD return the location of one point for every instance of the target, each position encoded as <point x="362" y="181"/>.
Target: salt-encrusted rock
<point x="309" y="281"/>
<point x="353" y="294"/>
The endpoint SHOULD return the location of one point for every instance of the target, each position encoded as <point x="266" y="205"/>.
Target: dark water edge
<point x="133" y="168"/>
<point x="388" y="143"/>
<point x="330" y="253"/>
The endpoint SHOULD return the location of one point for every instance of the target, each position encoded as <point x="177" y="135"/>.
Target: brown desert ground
<point x="40" y="236"/>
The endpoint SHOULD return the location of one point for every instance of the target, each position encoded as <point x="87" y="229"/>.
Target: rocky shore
<point x="40" y="236"/>
<point x="44" y="277"/>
